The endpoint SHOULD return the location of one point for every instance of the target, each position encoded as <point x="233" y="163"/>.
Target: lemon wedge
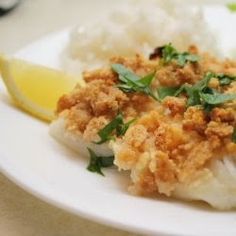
<point x="35" y="89"/>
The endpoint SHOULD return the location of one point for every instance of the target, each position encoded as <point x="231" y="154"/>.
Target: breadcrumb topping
<point x="169" y="142"/>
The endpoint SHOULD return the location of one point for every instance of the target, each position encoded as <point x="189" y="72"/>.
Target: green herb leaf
<point x="232" y="7"/>
<point x="200" y="93"/>
<point x="147" y="80"/>
<point x="124" y="73"/>
<point x="202" y="84"/>
<point x="194" y="91"/>
<point x="167" y="91"/>
<point x="216" y="98"/>
<point x="191" y="57"/>
<point x="106" y="161"/>
<point x="183" y="58"/>
<point x="234" y="135"/>
<point x="97" y="162"/>
<point x="117" y="125"/>
<point x="193" y="97"/>
<point x="169" y="53"/>
<point x="130" y="82"/>
<point x="225" y="79"/>
<point x="181" y="89"/>
<point x="106" y="133"/>
<point x="121" y="129"/>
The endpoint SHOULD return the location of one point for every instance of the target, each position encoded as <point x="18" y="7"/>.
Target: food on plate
<point x="169" y="119"/>
<point x="137" y="28"/>
<point x="36" y="89"/>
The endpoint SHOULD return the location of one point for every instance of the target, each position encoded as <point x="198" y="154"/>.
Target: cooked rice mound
<point x="137" y="27"/>
<point x="171" y="149"/>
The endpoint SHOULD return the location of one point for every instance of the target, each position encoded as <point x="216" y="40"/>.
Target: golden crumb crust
<point x="169" y="142"/>
<point x="100" y="100"/>
<point x="176" y="147"/>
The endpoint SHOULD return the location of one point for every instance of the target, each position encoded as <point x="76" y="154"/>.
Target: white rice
<point x="137" y="28"/>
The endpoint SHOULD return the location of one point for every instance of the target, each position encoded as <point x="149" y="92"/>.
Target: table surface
<point x="21" y="214"/>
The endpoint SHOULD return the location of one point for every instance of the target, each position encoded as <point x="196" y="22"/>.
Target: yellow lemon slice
<point x="36" y="89"/>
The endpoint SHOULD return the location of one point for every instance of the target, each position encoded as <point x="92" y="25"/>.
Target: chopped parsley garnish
<point x="200" y="93"/>
<point x="216" y="98"/>
<point x="130" y="82"/>
<point x="168" y="53"/>
<point x="117" y="125"/>
<point x="194" y="92"/>
<point x="96" y="163"/>
<point x="185" y="57"/>
<point x="234" y="135"/>
<point x="225" y="79"/>
<point x="232" y="7"/>
<point x="166" y="91"/>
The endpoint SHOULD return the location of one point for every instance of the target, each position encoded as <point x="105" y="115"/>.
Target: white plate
<point x="32" y="159"/>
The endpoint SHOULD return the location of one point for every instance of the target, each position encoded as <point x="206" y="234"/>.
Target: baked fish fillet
<point x="172" y="148"/>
